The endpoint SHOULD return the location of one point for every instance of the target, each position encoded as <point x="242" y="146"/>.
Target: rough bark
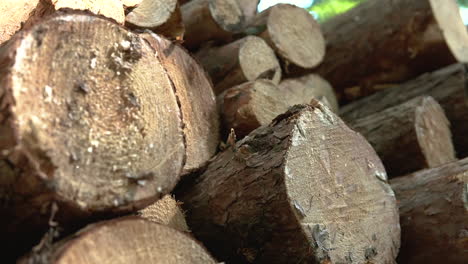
<point x="302" y="90"/>
<point x="195" y="98"/>
<point x="88" y="120"/>
<point x="123" y="240"/>
<point x="166" y="211"/>
<point x="408" y="137"/>
<point x="434" y="214"/>
<point x="447" y="86"/>
<point x="292" y="32"/>
<point x="247" y="106"/>
<point x="381" y="42"/>
<point x="18" y="12"/>
<point x="244" y="60"/>
<point x="206" y="20"/>
<point x="161" y="16"/>
<point x="303" y="189"/>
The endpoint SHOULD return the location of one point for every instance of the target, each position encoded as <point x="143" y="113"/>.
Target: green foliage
<point x="326" y="9"/>
<point x="463" y="3"/>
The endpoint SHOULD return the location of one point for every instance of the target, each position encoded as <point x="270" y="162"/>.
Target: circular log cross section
<point x="302" y="90"/>
<point x="161" y="16"/>
<point x="421" y="129"/>
<point x="303" y="189"/>
<point x="227" y="14"/>
<point x="206" y="20"/>
<point x="295" y="35"/>
<point x="258" y="60"/>
<point x="250" y="105"/>
<point x="144" y="14"/>
<point x="246" y="59"/>
<point x="452" y="27"/>
<point x="92" y="119"/>
<point x="127" y="240"/>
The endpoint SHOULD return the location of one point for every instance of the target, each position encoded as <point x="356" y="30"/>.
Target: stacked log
<point x="206" y="20"/>
<point x="161" y="16"/>
<point x="433" y="214"/>
<point x="123" y="240"/>
<point x="101" y="139"/>
<point x="303" y="189"/>
<point x="250" y="105"/>
<point x="195" y="98"/>
<point x="381" y="42"/>
<point x="287" y="39"/>
<point x="111" y="115"/>
<point x="244" y="60"/>
<point x="421" y="130"/>
<point x="447" y="86"/>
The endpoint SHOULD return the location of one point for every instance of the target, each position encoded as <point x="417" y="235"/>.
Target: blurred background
<point x="325" y="9"/>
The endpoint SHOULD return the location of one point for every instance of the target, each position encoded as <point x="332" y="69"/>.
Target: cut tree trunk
<point x="303" y="189"/>
<point x="301" y="90"/>
<point x="447" y="86"/>
<point x="434" y="214"/>
<point x="122" y="241"/>
<point x="18" y="12"/>
<point x="88" y="119"/>
<point x="292" y="32"/>
<point x="166" y="211"/>
<point x="408" y="137"/>
<point x="382" y="41"/>
<point x="161" y="16"/>
<point x="241" y="61"/>
<point x="215" y="20"/>
<point x="247" y="106"/>
<point x="196" y="100"/>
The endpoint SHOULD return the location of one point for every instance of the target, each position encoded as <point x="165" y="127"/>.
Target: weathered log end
<point x="293" y="33"/>
<point x="206" y="20"/>
<point x="123" y="240"/>
<point x="408" y="137"/>
<point x="89" y="120"/>
<point x="250" y="105"/>
<point x="166" y="211"/>
<point x="249" y="59"/>
<point x="433" y="133"/>
<point x="302" y="90"/>
<point x="196" y="101"/>
<point x="161" y="16"/>
<point x="452" y="28"/>
<point x="303" y="189"/>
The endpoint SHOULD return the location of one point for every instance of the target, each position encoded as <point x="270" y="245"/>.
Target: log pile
<point x="201" y="131"/>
